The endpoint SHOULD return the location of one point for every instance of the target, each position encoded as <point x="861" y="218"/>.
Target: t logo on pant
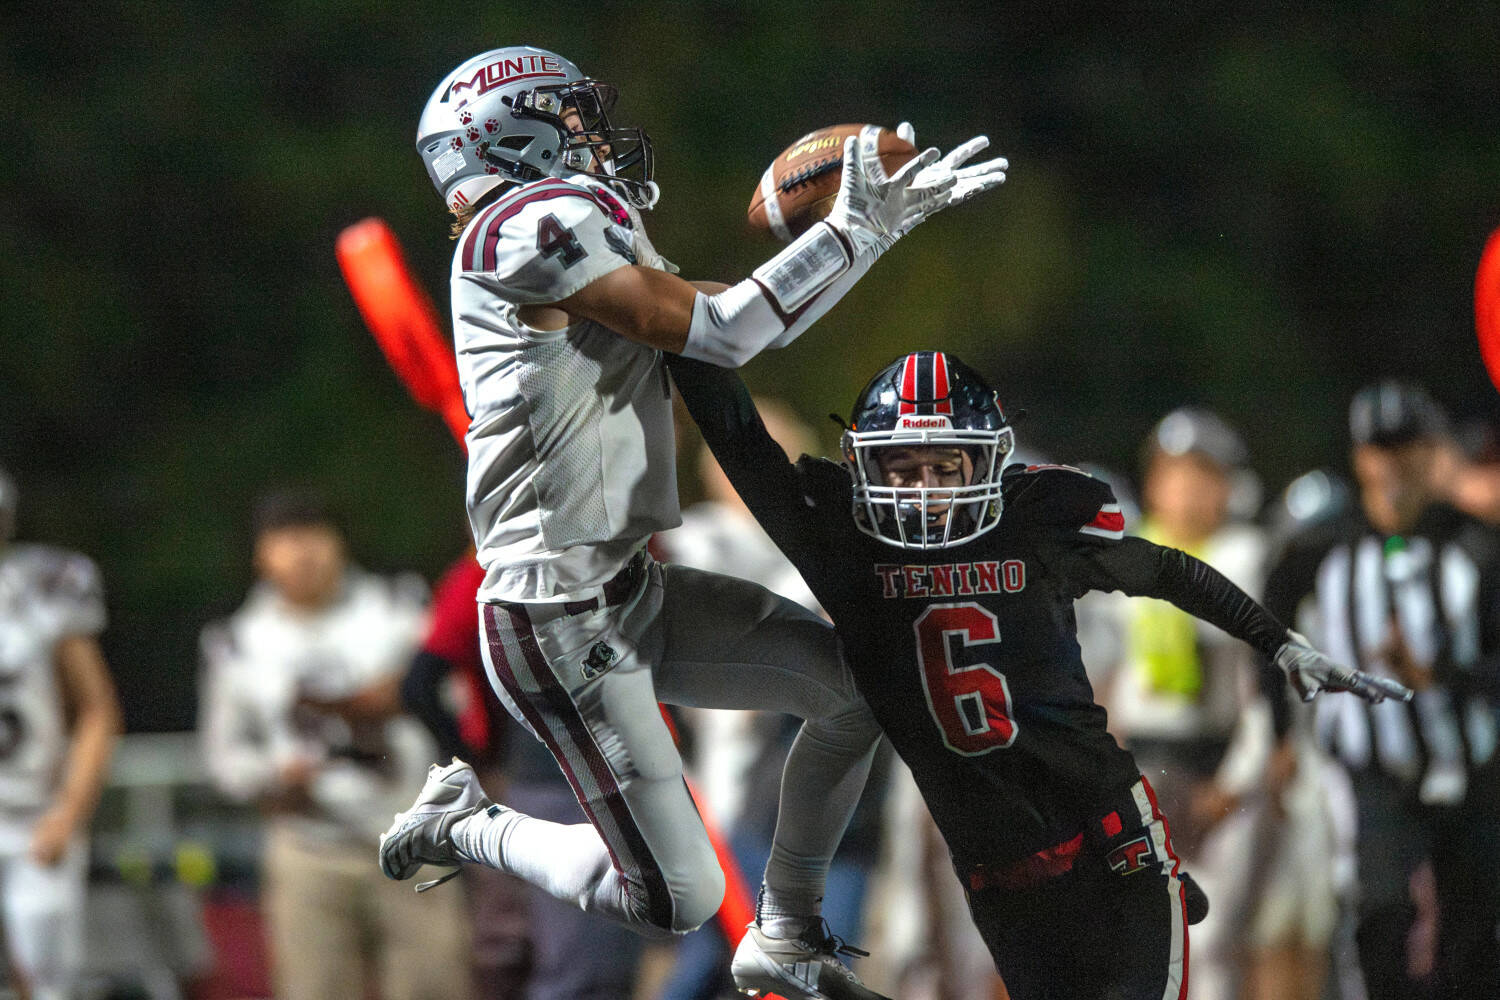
<point x="1132" y="856"/>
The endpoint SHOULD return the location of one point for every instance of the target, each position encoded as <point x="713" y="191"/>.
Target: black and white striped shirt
<point x="1438" y="590"/>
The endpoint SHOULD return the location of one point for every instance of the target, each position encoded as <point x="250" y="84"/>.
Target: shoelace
<point x="424" y="886"/>
<point x="821" y="937"/>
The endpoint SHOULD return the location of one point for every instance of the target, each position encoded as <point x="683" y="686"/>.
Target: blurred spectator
<point x="526" y="943"/>
<point x="1185" y="697"/>
<point x="59" y="722"/>
<point x="1468" y="471"/>
<point x="1409" y="591"/>
<point x="280" y="725"/>
<point x="1309" y="877"/>
<point x="921" y="933"/>
<point x="736" y="757"/>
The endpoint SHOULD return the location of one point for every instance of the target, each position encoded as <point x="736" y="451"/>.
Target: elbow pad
<point x="771" y="308"/>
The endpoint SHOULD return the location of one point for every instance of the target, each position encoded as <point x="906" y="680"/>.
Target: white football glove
<point x="874" y="211"/>
<point x="1309" y="672"/>
<point x="969" y="181"/>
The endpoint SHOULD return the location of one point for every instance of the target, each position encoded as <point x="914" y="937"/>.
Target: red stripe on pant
<point x="1156" y="813"/>
<point x="553" y="708"/>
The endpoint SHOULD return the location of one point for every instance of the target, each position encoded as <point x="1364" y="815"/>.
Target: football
<point x="800" y="185"/>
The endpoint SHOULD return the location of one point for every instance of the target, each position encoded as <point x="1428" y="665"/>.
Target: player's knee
<point x="678" y="907"/>
<point x="697" y="904"/>
<point x="851" y="733"/>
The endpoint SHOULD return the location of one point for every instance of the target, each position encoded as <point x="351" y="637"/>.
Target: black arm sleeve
<point x="420" y="696"/>
<point x="1145" y="569"/>
<point x="756" y="465"/>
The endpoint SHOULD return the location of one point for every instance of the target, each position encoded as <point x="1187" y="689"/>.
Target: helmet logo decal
<point x="910" y="423"/>
<point x="509" y="70"/>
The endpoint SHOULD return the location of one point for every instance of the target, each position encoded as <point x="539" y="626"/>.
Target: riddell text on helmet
<point x="508" y="70"/>
<point x="922" y="423"/>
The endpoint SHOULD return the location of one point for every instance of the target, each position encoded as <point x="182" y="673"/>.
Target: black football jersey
<point x="968" y="656"/>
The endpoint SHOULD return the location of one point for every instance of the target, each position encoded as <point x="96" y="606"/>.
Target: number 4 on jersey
<point x="555" y="241"/>
<point x="971" y="704"/>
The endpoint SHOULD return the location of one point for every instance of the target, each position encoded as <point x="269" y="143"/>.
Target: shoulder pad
<point x="546" y="240"/>
<point x="1062" y="496"/>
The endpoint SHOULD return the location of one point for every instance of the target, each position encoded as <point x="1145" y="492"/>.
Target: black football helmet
<point x="927" y="399"/>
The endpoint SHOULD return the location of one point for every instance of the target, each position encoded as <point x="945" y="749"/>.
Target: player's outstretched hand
<point x="1309" y="671"/>
<point x="874" y="211"/>
<point x="968" y="181"/>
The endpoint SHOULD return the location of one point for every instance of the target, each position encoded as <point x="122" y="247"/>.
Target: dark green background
<point x="1257" y="207"/>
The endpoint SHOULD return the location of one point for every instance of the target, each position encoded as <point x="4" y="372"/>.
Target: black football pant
<point x="1462" y="843"/>
<point x="1087" y="935"/>
<point x="1094" y="933"/>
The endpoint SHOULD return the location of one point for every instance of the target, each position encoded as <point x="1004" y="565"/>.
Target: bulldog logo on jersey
<point x="601" y="657"/>
<point x="620" y="242"/>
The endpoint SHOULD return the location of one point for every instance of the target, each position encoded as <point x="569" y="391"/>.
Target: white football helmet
<point x="519" y="114"/>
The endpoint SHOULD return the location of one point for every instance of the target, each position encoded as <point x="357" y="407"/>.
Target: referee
<point x="1410" y="589"/>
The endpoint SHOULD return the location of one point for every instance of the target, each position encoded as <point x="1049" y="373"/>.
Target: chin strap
<point x="641" y="194"/>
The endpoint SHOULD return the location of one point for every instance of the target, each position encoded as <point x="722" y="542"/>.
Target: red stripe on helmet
<point x="908" y="386"/>
<point x="940" y="383"/>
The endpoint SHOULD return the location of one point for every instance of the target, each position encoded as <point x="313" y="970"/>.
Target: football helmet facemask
<point x="927" y="400"/>
<point x="520" y="114"/>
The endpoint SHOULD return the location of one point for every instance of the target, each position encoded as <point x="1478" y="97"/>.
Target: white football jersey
<point x="571" y="451"/>
<point x="46" y="595"/>
<point x="259" y="661"/>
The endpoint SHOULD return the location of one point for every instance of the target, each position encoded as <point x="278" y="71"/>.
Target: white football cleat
<point x="801" y="968"/>
<point x="422" y="835"/>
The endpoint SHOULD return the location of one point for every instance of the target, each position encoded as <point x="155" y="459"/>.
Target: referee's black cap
<point x="1391" y="413"/>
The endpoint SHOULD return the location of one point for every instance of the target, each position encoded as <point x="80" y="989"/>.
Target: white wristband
<point x="784" y="297"/>
<point x="810" y="264"/>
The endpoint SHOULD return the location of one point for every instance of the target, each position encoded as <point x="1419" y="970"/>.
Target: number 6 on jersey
<point x="971" y="704"/>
